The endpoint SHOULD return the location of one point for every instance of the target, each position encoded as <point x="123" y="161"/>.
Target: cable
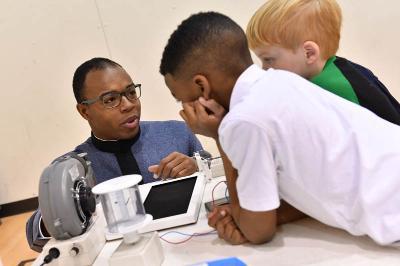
<point x="226" y="193"/>
<point x="212" y="192"/>
<point x="190" y="236"/>
<point x="54" y="253"/>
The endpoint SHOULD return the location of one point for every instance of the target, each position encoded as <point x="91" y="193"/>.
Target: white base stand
<point x="217" y="168"/>
<point x="79" y="250"/>
<point x="146" y="252"/>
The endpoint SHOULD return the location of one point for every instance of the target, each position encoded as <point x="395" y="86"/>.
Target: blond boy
<point x="303" y="36"/>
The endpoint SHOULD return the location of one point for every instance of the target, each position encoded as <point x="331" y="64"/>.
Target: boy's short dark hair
<point x="78" y="81"/>
<point x="204" y="39"/>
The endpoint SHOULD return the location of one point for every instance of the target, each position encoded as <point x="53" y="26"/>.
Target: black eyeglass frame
<point x="118" y="94"/>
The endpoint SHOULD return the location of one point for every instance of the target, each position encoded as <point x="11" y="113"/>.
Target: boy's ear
<point x="82" y="109"/>
<point x="204" y="86"/>
<point x="311" y="51"/>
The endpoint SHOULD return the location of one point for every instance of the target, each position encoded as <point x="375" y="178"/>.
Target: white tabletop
<point x="306" y="242"/>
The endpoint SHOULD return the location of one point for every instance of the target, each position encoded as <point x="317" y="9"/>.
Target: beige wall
<point x="42" y="42"/>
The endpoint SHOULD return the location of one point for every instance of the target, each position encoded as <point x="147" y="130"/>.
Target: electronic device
<point x="211" y="167"/>
<point x="65" y="197"/>
<point x="124" y="212"/>
<point x="80" y="229"/>
<point x="68" y="211"/>
<point x="218" y="202"/>
<point x="173" y="202"/>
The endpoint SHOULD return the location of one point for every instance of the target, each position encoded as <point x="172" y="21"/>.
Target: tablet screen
<point x="169" y="199"/>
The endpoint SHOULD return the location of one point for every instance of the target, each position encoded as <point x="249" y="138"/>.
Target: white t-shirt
<point x="326" y="156"/>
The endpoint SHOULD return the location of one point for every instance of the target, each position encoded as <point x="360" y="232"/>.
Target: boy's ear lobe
<point x="82" y="109"/>
<point x="311" y="51"/>
<point x="204" y="86"/>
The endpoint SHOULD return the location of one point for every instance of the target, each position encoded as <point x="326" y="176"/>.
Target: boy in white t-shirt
<point x="283" y="138"/>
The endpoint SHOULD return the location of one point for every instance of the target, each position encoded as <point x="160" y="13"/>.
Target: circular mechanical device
<point x="65" y="197"/>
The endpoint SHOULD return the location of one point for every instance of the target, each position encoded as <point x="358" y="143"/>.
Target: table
<point x="305" y="242"/>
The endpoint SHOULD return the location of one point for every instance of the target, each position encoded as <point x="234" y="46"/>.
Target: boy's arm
<point x="221" y="219"/>
<point x="286" y="213"/>
<point x="257" y="227"/>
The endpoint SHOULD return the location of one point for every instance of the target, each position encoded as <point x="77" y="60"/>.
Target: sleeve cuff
<point x="259" y="205"/>
<point x="41" y="235"/>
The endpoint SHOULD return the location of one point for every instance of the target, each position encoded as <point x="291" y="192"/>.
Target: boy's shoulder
<point x="369" y="91"/>
<point x="352" y="68"/>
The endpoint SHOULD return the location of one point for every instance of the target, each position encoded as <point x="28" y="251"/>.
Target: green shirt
<point x="332" y="79"/>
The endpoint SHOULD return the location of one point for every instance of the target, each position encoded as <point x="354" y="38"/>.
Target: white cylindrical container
<point x="122" y="205"/>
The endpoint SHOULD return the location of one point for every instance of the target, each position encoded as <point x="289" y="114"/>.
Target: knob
<point x="74" y="251"/>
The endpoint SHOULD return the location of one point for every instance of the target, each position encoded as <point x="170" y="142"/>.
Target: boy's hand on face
<point x="174" y="165"/>
<point x="221" y="219"/>
<point x="203" y="116"/>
